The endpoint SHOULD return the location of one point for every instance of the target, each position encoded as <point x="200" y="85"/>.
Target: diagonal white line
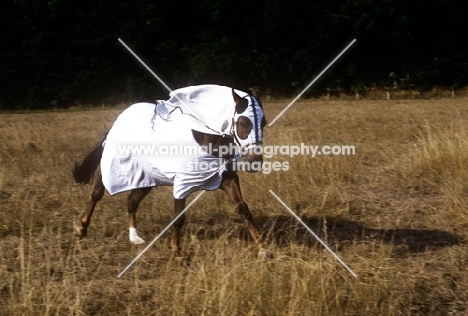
<point x="310" y="84"/>
<point x="146" y="66"/>
<point x="160" y="234"/>
<point x="187" y="108"/>
<point x="316" y="237"/>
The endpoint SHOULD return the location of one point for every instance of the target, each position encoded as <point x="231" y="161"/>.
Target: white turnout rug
<point x="152" y="144"/>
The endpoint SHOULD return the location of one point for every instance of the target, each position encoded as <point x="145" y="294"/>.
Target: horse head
<point x="247" y="130"/>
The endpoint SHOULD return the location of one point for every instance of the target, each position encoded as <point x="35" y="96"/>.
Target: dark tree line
<point x="63" y="51"/>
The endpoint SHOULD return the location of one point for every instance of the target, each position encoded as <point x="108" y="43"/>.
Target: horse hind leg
<point x="134" y="199"/>
<point x="179" y="205"/>
<point x="96" y="196"/>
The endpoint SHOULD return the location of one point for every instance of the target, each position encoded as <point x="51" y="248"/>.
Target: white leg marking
<point x="134" y="238"/>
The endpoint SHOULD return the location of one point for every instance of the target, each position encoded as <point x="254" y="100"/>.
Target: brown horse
<point x="83" y="173"/>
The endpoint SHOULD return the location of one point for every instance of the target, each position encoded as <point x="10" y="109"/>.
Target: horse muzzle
<point x="253" y="159"/>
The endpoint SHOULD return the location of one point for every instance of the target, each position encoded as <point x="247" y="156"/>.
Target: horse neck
<point x="216" y="141"/>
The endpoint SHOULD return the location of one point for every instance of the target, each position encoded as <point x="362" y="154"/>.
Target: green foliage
<point x="65" y="51"/>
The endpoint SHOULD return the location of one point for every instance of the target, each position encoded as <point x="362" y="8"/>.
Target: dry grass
<point x="396" y="213"/>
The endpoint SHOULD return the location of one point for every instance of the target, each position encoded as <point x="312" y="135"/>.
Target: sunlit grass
<point x="396" y="213"/>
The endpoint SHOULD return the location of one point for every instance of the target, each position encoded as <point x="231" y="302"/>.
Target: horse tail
<point x="83" y="173"/>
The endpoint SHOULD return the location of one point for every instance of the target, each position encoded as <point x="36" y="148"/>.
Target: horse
<point x="245" y="134"/>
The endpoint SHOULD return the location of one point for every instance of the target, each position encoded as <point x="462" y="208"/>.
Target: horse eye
<point x="244" y="126"/>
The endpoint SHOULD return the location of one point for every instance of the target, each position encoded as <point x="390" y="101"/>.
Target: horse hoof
<point x="80" y="232"/>
<point x="136" y="240"/>
<point x="183" y="260"/>
<point x="265" y="255"/>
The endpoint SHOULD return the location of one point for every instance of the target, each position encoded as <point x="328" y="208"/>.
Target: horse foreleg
<point x="179" y="205"/>
<point x="96" y="196"/>
<point x="134" y="199"/>
<point x="230" y="184"/>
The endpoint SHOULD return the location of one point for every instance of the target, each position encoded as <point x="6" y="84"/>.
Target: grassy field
<point x="395" y="212"/>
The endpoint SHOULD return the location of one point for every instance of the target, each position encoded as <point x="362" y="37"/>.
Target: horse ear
<point x="241" y="103"/>
<point x="255" y="91"/>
